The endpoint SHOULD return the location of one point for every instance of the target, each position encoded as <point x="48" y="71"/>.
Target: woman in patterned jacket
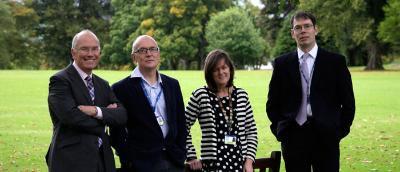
<point x="229" y="133"/>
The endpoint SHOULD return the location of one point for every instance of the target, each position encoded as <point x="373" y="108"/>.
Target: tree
<point x="254" y="13"/>
<point x="212" y="8"/>
<point x="61" y="20"/>
<point x="25" y="43"/>
<point x="271" y="20"/>
<point x="178" y="30"/>
<point x="178" y="26"/>
<point x="284" y="41"/>
<point x="126" y="20"/>
<point x="7" y="27"/>
<point x="19" y="44"/>
<point x="389" y="27"/>
<point x="233" y="31"/>
<point x="355" y="25"/>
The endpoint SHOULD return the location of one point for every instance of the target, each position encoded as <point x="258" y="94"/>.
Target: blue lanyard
<point x="153" y="107"/>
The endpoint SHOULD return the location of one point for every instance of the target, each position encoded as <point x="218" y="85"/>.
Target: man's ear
<point x="316" y="30"/>
<point x="292" y="33"/>
<point x="133" y="58"/>
<point x="73" y="53"/>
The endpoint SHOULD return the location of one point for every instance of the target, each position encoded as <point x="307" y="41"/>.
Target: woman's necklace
<point x="228" y="117"/>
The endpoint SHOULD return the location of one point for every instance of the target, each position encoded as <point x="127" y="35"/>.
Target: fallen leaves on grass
<point x="366" y="161"/>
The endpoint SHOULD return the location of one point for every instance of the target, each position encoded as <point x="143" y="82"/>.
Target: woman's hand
<point x="195" y="164"/>
<point x="248" y="165"/>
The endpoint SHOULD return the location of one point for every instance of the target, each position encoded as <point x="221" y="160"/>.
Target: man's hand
<point x="195" y="164"/>
<point x="88" y="110"/>
<point x="112" y="106"/>
<point x="248" y="165"/>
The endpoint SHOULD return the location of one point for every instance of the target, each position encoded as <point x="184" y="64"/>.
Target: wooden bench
<point x="272" y="163"/>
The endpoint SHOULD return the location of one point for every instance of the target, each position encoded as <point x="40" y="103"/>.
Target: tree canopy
<point x="8" y="26"/>
<point x="177" y="25"/>
<point x="19" y="43"/>
<point x="233" y="31"/>
<point x="37" y="34"/>
<point x="61" y="20"/>
<point x="355" y="25"/>
<point x="390" y="26"/>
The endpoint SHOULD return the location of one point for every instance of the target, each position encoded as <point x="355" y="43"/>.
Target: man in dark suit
<point x="154" y="137"/>
<point x="81" y="104"/>
<point x="310" y="101"/>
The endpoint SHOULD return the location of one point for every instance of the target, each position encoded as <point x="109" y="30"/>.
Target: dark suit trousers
<point x="100" y="165"/>
<point x="164" y="164"/>
<point x="304" y="149"/>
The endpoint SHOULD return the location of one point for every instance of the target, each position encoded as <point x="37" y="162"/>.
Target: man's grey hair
<point x="78" y="35"/>
<point x="139" y="38"/>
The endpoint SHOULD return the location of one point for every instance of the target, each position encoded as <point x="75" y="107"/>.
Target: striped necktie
<point x="301" y="117"/>
<point x="90" y="87"/>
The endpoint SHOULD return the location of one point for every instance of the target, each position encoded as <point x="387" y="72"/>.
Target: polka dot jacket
<point x="203" y="105"/>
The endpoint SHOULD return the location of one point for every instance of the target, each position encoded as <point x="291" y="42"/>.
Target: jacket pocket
<point x="65" y="142"/>
<point x="282" y="130"/>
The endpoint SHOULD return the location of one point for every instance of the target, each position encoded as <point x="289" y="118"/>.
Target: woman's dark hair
<point x="211" y="62"/>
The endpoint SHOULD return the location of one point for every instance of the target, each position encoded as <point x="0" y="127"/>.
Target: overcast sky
<point x="257" y="3"/>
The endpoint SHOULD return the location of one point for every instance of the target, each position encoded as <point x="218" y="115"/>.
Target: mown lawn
<point x="373" y="144"/>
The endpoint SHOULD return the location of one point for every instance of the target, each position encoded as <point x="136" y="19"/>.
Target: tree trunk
<point x="352" y="56"/>
<point x="187" y="64"/>
<point x="202" y="45"/>
<point x="375" y="56"/>
<point x="201" y="54"/>
<point x="173" y="64"/>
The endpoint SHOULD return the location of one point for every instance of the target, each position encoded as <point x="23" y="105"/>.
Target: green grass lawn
<point x="373" y="144"/>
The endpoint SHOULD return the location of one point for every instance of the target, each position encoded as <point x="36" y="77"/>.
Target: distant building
<point x="259" y="67"/>
<point x="267" y="67"/>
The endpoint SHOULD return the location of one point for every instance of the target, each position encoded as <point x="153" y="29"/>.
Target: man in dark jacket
<point x="310" y="101"/>
<point x="155" y="135"/>
<point x="81" y="105"/>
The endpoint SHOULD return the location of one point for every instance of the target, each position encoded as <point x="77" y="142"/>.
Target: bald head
<point x="83" y="32"/>
<point x="135" y="44"/>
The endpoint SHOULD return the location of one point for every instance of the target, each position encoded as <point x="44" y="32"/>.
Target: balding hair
<point x="78" y="35"/>
<point x="138" y="39"/>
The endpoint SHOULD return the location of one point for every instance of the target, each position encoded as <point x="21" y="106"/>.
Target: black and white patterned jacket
<point x="201" y="108"/>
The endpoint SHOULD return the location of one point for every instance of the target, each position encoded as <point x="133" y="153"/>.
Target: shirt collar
<point x="312" y="52"/>
<point x="137" y="74"/>
<point x="82" y="74"/>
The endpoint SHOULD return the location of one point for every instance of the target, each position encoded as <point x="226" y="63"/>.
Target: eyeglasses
<point x="87" y="50"/>
<point x="145" y="50"/>
<point x="299" y="28"/>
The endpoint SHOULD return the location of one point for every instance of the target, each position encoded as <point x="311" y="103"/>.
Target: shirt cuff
<point x="99" y="114"/>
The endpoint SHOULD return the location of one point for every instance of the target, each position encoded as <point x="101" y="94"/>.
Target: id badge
<point x="230" y="140"/>
<point x="160" y="120"/>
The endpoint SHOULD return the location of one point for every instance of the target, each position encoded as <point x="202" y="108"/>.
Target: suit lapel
<point x="294" y="67"/>
<point x="317" y="68"/>
<point x="97" y="90"/>
<point x="78" y="82"/>
<point x="167" y="95"/>
<point x="138" y="93"/>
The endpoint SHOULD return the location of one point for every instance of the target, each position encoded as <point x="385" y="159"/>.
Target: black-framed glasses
<point x="299" y="28"/>
<point x="145" y="50"/>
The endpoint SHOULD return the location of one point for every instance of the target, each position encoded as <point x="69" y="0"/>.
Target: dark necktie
<point x="301" y="117"/>
<point x="90" y="87"/>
